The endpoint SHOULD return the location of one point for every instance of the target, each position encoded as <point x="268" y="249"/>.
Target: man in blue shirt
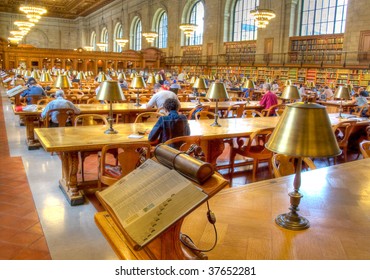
<point x="33" y="91"/>
<point x="170" y="126"/>
<point x="58" y="103"/>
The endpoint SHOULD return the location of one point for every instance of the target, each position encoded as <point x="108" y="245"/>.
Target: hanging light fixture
<point x="121" y="41"/>
<point x="150" y="36"/>
<point x="188" y="28"/>
<point x="263" y="16"/>
<point x="24" y="25"/>
<point x="88" y="48"/>
<point x="33" y="13"/>
<point x="102" y="45"/>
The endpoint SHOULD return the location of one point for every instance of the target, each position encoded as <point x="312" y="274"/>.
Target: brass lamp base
<point x="110" y="131"/>
<point x="292" y="221"/>
<point x="216" y="124"/>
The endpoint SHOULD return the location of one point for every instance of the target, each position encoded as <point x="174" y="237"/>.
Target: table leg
<point x="32" y="143"/>
<point x="213" y="149"/>
<point x="68" y="183"/>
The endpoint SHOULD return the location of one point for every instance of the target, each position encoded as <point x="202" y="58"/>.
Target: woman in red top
<point x="269" y="98"/>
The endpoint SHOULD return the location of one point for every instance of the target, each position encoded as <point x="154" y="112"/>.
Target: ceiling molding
<point x="67" y="9"/>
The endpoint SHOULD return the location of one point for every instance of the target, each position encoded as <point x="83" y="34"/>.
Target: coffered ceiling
<point x="69" y="9"/>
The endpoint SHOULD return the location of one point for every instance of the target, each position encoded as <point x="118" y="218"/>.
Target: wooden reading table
<point x="335" y="201"/>
<point x="68" y="141"/>
<point x="128" y="110"/>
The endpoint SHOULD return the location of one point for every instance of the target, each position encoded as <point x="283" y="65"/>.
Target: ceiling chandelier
<point x="121" y="41"/>
<point x="150" y="36"/>
<point x="188" y="28"/>
<point x="24" y="25"/>
<point x="18" y="33"/>
<point x="88" y="48"/>
<point x="263" y="16"/>
<point x="33" y="13"/>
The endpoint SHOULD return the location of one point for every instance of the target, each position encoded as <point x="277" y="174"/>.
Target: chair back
<point x="186" y="141"/>
<point x="64" y="116"/>
<point x="343" y="130"/>
<point x="129" y="156"/>
<point x="148" y="117"/>
<point x="365" y="148"/>
<point x="284" y="165"/>
<point x="251" y="114"/>
<point x="204" y="115"/>
<point x="191" y="115"/>
<point x="90" y="119"/>
<point x="235" y="111"/>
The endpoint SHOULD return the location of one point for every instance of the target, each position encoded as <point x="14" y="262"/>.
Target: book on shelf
<point x="153" y="197"/>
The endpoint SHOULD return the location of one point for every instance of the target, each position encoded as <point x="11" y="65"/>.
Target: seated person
<point x="123" y="84"/>
<point x="269" y="98"/>
<point x="34" y="90"/>
<point x="58" y="103"/>
<point x="160" y="96"/>
<point x="170" y="126"/>
<point x="360" y="100"/>
<point x="327" y="93"/>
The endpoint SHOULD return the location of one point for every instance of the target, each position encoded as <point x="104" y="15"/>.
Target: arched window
<point x="118" y="33"/>
<point x="162" y="31"/>
<point x="197" y="17"/>
<point x="244" y="27"/>
<point x="323" y="17"/>
<point x="136" y="35"/>
<point x="104" y="38"/>
<point x="93" y="40"/>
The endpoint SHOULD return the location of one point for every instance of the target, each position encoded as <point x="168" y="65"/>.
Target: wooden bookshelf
<point x="316" y="49"/>
<point x="241" y="51"/>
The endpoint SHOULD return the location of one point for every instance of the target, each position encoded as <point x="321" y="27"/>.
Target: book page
<point x="150" y="199"/>
<point x="16" y="90"/>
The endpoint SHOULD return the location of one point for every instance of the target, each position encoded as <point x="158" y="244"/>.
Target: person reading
<point x="170" y="126"/>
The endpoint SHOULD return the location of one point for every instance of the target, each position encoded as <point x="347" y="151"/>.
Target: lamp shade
<point x="304" y="130"/>
<point x="288" y="83"/>
<point x="342" y="93"/>
<point x="102" y="77"/>
<point x="368" y="88"/>
<point x="62" y="81"/>
<point x="290" y="92"/>
<point x="217" y="91"/>
<point x="192" y="80"/>
<point x="200" y="83"/>
<point x="248" y="84"/>
<point x="138" y="82"/>
<point x="35" y="75"/>
<point x="45" y="77"/>
<point x="121" y="76"/>
<point x="110" y="91"/>
<point x="81" y="76"/>
<point x="150" y="80"/>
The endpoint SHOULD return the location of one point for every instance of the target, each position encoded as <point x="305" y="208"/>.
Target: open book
<point x="149" y="200"/>
<point x="16" y="90"/>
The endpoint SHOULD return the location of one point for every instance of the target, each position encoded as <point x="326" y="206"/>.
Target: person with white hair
<point x="58" y="103"/>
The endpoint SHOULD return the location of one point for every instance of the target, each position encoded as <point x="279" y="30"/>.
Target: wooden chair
<point x="234" y="111"/>
<point x="86" y="120"/>
<point x="365" y="148"/>
<point x="148" y="117"/>
<point x="187" y="141"/>
<point x="129" y="157"/>
<point x="342" y="133"/>
<point x="276" y="110"/>
<point x="251" y="114"/>
<point x="64" y="116"/>
<point x="254" y="148"/>
<point x="204" y="115"/>
<point x="198" y="108"/>
<point x="284" y="165"/>
<point x="72" y="97"/>
<point x="43" y="101"/>
<point x="360" y="110"/>
<point x="83" y="99"/>
<point x="93" y="100"/>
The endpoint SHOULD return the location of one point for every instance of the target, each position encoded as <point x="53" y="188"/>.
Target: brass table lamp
<point x="101" y="77"/>
<point x="304" y="130"/>
<point x="62" y="81"/>
<point x="199" y="83"/>
<point x="290" y="93"/>
<point x="110" y="91"/>
<point x="45" y="77"/>
<point x="138" y="84"/>
<point x="217" y="91"/>
<point x="342" y="93"/>
<point x="288" y="83"/>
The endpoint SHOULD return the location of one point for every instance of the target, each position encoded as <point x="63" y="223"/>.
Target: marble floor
<point x="49" y="222"/>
